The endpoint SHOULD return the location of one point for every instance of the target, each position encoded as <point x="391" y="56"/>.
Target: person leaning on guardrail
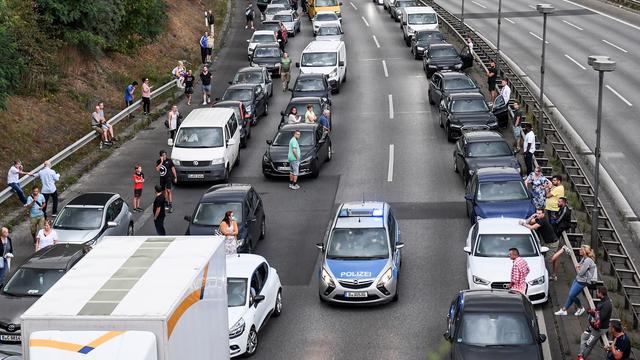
<point x="585" y="272"/>
<point x="620" y="347"/>
<point x="13" y="180"/>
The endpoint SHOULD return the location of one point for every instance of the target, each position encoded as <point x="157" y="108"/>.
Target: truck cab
<point x="314" y="6"/>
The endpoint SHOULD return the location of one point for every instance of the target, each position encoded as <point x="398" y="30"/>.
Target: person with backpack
<point x="598" y="323"/>
<point x="586" y="275"/>
<point x="248" y="13"/>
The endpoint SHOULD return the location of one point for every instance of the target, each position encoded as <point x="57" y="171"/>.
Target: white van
<point x="417" y="18"/>
<point x="325" y="57"/>
<point x="207" y="145"/>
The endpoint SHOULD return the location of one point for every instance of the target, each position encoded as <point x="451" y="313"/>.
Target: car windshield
<point x="443" y="52"/>
<point x="199" y="137"/>
<point x="32" y="282"/>
<point x="328" y="30"/>
<point x="327" y="17"/>
<point x="237" y="94"/>
<point x="302" y="108"/>
<point x="469" y="105"/>
<point x="267" y="52"/>
<point x="211" y="214"/>
<point x="284" y="136"/>
<point x="263" y="38"/>
<point x="422" y="19"/>
<point x="274" y="10"/>
<point x="424" y="36"/>
<point x="79" y="218"/>
<point x="494" y="329"/>
<point x="460" y="83"/>
<point x="309" y="85"/>
<point x="401" y="4"/>
<point x="498" y="245"/>
<point x="284" y="18"/>
<point x="248" y="77"/>
<point x="358" y="243"/>
<point x="488" y="149"/>
<point x="326" y="2"/>
<point x="501" y="191"/>
<point x="319" y="59"/>
<point x="236" y="292"/>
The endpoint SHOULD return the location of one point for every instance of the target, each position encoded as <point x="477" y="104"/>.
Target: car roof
<point x="501" y="226"/>
<point x="440" y="45"/>
<point x="92" y="199"/>
<point x="326" y="12"/>
<point x="311" y="75"/>
<point x="321" y="46"/>
<point x="483" y="135"/>
<point x="242" y="265"/>
<point x="498" y="174"/>
<point x="419" y="10"/>
<point x="300" y="126"/>
<point x="56" y="256"/>
<point x="228" y="103"/>
<point x="240" y="86"/>
<point x="466" y="95"/>
<point x="207" y="117"/>
<point x="453" y="74"/>
<point x="351" y="220"/>
<point x="263" y="32"/>
<point x="225" y="192"/>
<point x="493" y="300"/>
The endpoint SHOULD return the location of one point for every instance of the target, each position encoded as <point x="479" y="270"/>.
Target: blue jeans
<point x="16" y="187"/>
<point x="3" y="270"/>
<point x="574" y="291"/>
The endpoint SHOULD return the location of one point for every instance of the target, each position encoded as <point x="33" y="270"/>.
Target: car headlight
<point x="265" y="158"/>
<point x="456" y="126"/>
<point x="333" y="73"/>
<point x="538" y="281"/>
<point x="326" y="278"/>
<point x="175" y="162"/>
<point x="217" y="161"/>
<point x="458" y="66"/>
<point x="433" y="67"/>
<point x="386" y="277"/>
<point x="479" y="280"/>
<point x="237" y="329"/>
<point x="478" y="218"/>
<point x="420" y="48"/>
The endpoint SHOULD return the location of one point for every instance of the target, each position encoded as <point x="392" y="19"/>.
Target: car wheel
<point x="329" y="152"/>
<point x="266" y="110"/>
<point x="263" y="229"/>
<point x="252" y="342"/>
<point x="277" y="309"/>
<point x="130" y="230"/>
<point x="455" y="165"/>
<point x="430" y="98"/>
<point x="315" y="169"/>
<point x="448" y="131"/>
<point x="237" y="162"/>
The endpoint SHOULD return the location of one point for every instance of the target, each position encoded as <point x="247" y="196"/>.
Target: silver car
<point x="291" y="21"/>
<point x="330" y="32"/>
<point x="272" y="10"/>
<point x="254" y="75"/>
<point x="89" y="217"/>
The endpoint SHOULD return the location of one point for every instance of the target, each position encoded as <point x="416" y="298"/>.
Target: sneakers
<point x="204" y="103"/>
<point x="553" y="277"/>
<point x="579" y="312"/>
<point x="560" y="312"/>
<point x="295" y="187"/>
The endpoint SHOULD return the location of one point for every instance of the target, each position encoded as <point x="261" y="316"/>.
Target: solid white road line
<point x="390" y="106"/>
<point x="353" y="6"/>
<point x="477" y="3"/>
<point x="575" y="62"/>
<point x="537" y="37"/>
<point x="365" y="21"/>
<point x="376" y="40"/>
<point x="546" y="350"/>
<point x="618" y="95"/>
<point x="390" y="171"/>
<point x="384" y="67"/>
<point x="603" y="14"/>
<point x="509" y="20"/>
<point x="572" y="25"/>
<point x="615" y="46"/>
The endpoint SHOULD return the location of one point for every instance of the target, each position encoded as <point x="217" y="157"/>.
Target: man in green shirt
<point x="294" y="161"/>
<point x="285" y="68"/>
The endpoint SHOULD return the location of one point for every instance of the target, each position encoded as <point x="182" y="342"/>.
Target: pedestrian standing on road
<point x="519" y="272"/>
<point x="554" y="191"/>
<point x="46" y="236"/>
<point x="6" y="253"/>
<point x="173" y="123"/>
<point x="203" y="47"/>
<point x="281" y="37"/>
<point x="599" y="319"/>
<point x="168" y="175"/>
<point x="210" y="44"/>
<point x="518" y="118"/>
<point x="294" y="160"/>
<point x="293" y="117"/>
<point x="35" y="205"/>
<point x="205" y="78"/>
<point x="505" y="92"/>
<point x="285" y="71"/>
<point x="620" y="347"/>
<point x="538" y="183"/>
<point x="229" y="229"/>
<point x="209" y="21"/>
<point x="188" y="86"/>
<point x="129" y="92"/>
<point x="324" y="120"/>
<point x="159" y="204"/>
<point x="529" y="148"/>
<point x="138" y="185"/>
<point x="13" y="180"/>
<point x="492" y="76"/>
<point x="310" y="116"/>
<point x="539" y="223"/>
<point x="48" y="177"/>
<point x="586" y="270"/>
<point x="249" y="14"/>
<point x="178" y="73"/>
<point x="146" y="96"/>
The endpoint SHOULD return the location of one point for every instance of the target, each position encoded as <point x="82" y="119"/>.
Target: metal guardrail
<point x="620" y="265"/>
<point x="71" y="149"/>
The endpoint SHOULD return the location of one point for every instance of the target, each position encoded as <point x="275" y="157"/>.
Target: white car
<point x="254" y="295"/>
<point x="325" y="18"/>
<point x="260" y="37"/>
<point x="272" y="10"/>
<point x="488" y="262"/>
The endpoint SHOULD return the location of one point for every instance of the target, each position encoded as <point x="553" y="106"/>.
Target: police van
<point x="417" y="18"/>
<point x="361" y="255"/>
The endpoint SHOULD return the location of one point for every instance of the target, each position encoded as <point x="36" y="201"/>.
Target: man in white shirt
<point x="49" y="177"/>
<point x="506" y="91"/>
<point x="529" y="148"/>
<point x="13" y="180"/>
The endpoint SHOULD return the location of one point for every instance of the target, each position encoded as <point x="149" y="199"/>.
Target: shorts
<point x="295" y="167"/>
<point x="165" y="183"/>
<point x="209" y="51"/>
<point x="249" y="17"/>
<point x="188" y="90"/>
<point x="98" y="129"/>
<point x="137" y="192"/>
<point x="36" y="223"/>
<point x="492" y="86"/>
<point x="286" y="76"/>
<point x="206" y="89"/>
<point x="517" y="131"/>
<point x="553" y="248"/>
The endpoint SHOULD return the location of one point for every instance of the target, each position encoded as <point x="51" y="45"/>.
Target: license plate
<point x="15" y="338"/>
<point x="195" y="176"/>
<point x="355" y="294"/>
<point x="445" y="68"/>
<point x="284" y="168"/>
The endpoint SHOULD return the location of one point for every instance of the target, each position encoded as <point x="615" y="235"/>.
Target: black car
<point x="252" y="96"/>
<point x="438" y="57"/>
<point x="315" y="147"/>
<point x="31" y="280"/>
<point x="243" y="117"/>
<point x="247" y="208"/>
<point x="468" y="110"/>
<point x="493" y="325"/>
<point x="479" y="149"/>
<point x="267" y="56"/>
<point x="422" y="39"/>
<point x="313" y="85"/>
<point x="300" y="103"/>
<point x="395" y="8"/>
<point x="449" y="82"/>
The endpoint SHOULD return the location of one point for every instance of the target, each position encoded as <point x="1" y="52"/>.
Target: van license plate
<point x="355" y="294"/>
<point x="15" y="338"/>
<point x="195" y="176"/>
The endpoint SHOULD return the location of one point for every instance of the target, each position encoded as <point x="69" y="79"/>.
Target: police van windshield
<point x="422" y="19"/>
<point x="319" y="59"/>
<point x="369" y="243"/>
<point x="199" y="137"/>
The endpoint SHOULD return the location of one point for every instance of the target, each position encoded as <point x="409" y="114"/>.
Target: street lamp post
<point x="498" y="42"/>
<point x="462" y="16"/>
<point x="601" y="64"/>
<point x="545" y="10"/>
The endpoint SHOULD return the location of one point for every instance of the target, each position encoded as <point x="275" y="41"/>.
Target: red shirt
<point x="138" y="181"/>
<point x="519" y="272"/>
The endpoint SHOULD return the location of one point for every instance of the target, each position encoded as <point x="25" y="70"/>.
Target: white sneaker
<point x="560" y="313"/>
<point x="579" y="312"/>
<point x="204" y="103"/>
<point x="290" y="186"/>
<point x="295" y="187"/>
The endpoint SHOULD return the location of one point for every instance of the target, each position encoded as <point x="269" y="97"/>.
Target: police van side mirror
<point x="467" y="249"/>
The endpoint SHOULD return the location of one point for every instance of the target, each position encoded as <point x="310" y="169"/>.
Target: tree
<point x="12" y="64"/>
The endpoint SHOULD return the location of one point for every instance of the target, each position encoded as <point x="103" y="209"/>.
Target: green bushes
<point x="12" y="63"/>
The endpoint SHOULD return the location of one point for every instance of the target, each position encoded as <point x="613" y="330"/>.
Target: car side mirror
<point x="490" y="104"/>
<point x="257" y="299"/>
<point x="446" y="336"/>
<point x="111" y="224"/>
<point x="441" y="106"/>
<point x="468" y="197"/>
<point x="399" y="245"/>
<point x="269" y="142"/>
<point x="320" y="246"/>
<point x="230" y="82"/>
<point x="297" y="64"/>
<point x="341" y="63"/>
<point x="248" y="40"/>
<point x="217" y="99"/>
<point x="187" y="218"/>
<point x="467" y="249"/>
<point x="544" y="249"/>
<point x="542" y="338"/>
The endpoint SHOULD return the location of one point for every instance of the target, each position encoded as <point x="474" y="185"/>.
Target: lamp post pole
<point x="498" y="42"/>
<point x="545" y="10"/>
<point x="462" y="16"/>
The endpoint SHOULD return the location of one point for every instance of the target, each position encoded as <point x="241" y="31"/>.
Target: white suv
<point x="488" y="262"/>
<point x="260" y="37"/>
<point x="254" y="294"/>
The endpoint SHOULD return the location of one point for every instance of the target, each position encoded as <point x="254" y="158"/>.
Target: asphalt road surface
<point x="387" y="146"/>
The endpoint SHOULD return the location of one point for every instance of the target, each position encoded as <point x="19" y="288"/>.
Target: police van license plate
<point x="195" y="176"/>
<point x="15" y="338"/>
<point x="284" y="168"/>
<point x="355" y="294"/>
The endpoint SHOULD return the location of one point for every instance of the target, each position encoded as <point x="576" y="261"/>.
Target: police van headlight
<point x="237" y="329"/>
<point x="326" y="278"/>
<point x="386" y="277"/>
<point x="333" y="73"/>
<point x="480" y="281"/>
<point x="538" y="281"/>
<point x="176" y="162"/>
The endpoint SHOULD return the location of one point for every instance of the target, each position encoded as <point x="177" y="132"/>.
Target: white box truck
<point x="135" y="298"/>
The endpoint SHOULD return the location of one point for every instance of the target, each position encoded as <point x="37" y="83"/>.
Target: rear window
<point x="502" y="191"/>
<point x="494" y="329"/>
<point x="327" y="17"/>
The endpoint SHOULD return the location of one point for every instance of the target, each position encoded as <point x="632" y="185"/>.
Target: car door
<point x="321" y="145"/>
<point x="233" y="146"/>
<point x="262" y="307"/>
<point x="260" y="214"/>
<point x="459" y="156"/>
<point x="269" y="287"/>
<point x="268" y="82"/>
<point x="111" y="215"/>
<point x="228" y="155"/>
<point x="251" y="220"/>
<point x="434" y="86"/>
<point x="470" y="197"/>
<point x="467" y="58"/>
<point x="260" y="100"/>
<point x="121" y="219"/>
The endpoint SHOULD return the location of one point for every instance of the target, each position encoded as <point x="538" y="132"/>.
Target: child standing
<point x="138" y="184"/>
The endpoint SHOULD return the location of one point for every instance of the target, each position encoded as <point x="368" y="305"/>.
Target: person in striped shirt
<point x="519" y="272"/>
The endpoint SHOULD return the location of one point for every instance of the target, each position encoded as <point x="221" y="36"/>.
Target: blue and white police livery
<point x="361" y="255"/>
